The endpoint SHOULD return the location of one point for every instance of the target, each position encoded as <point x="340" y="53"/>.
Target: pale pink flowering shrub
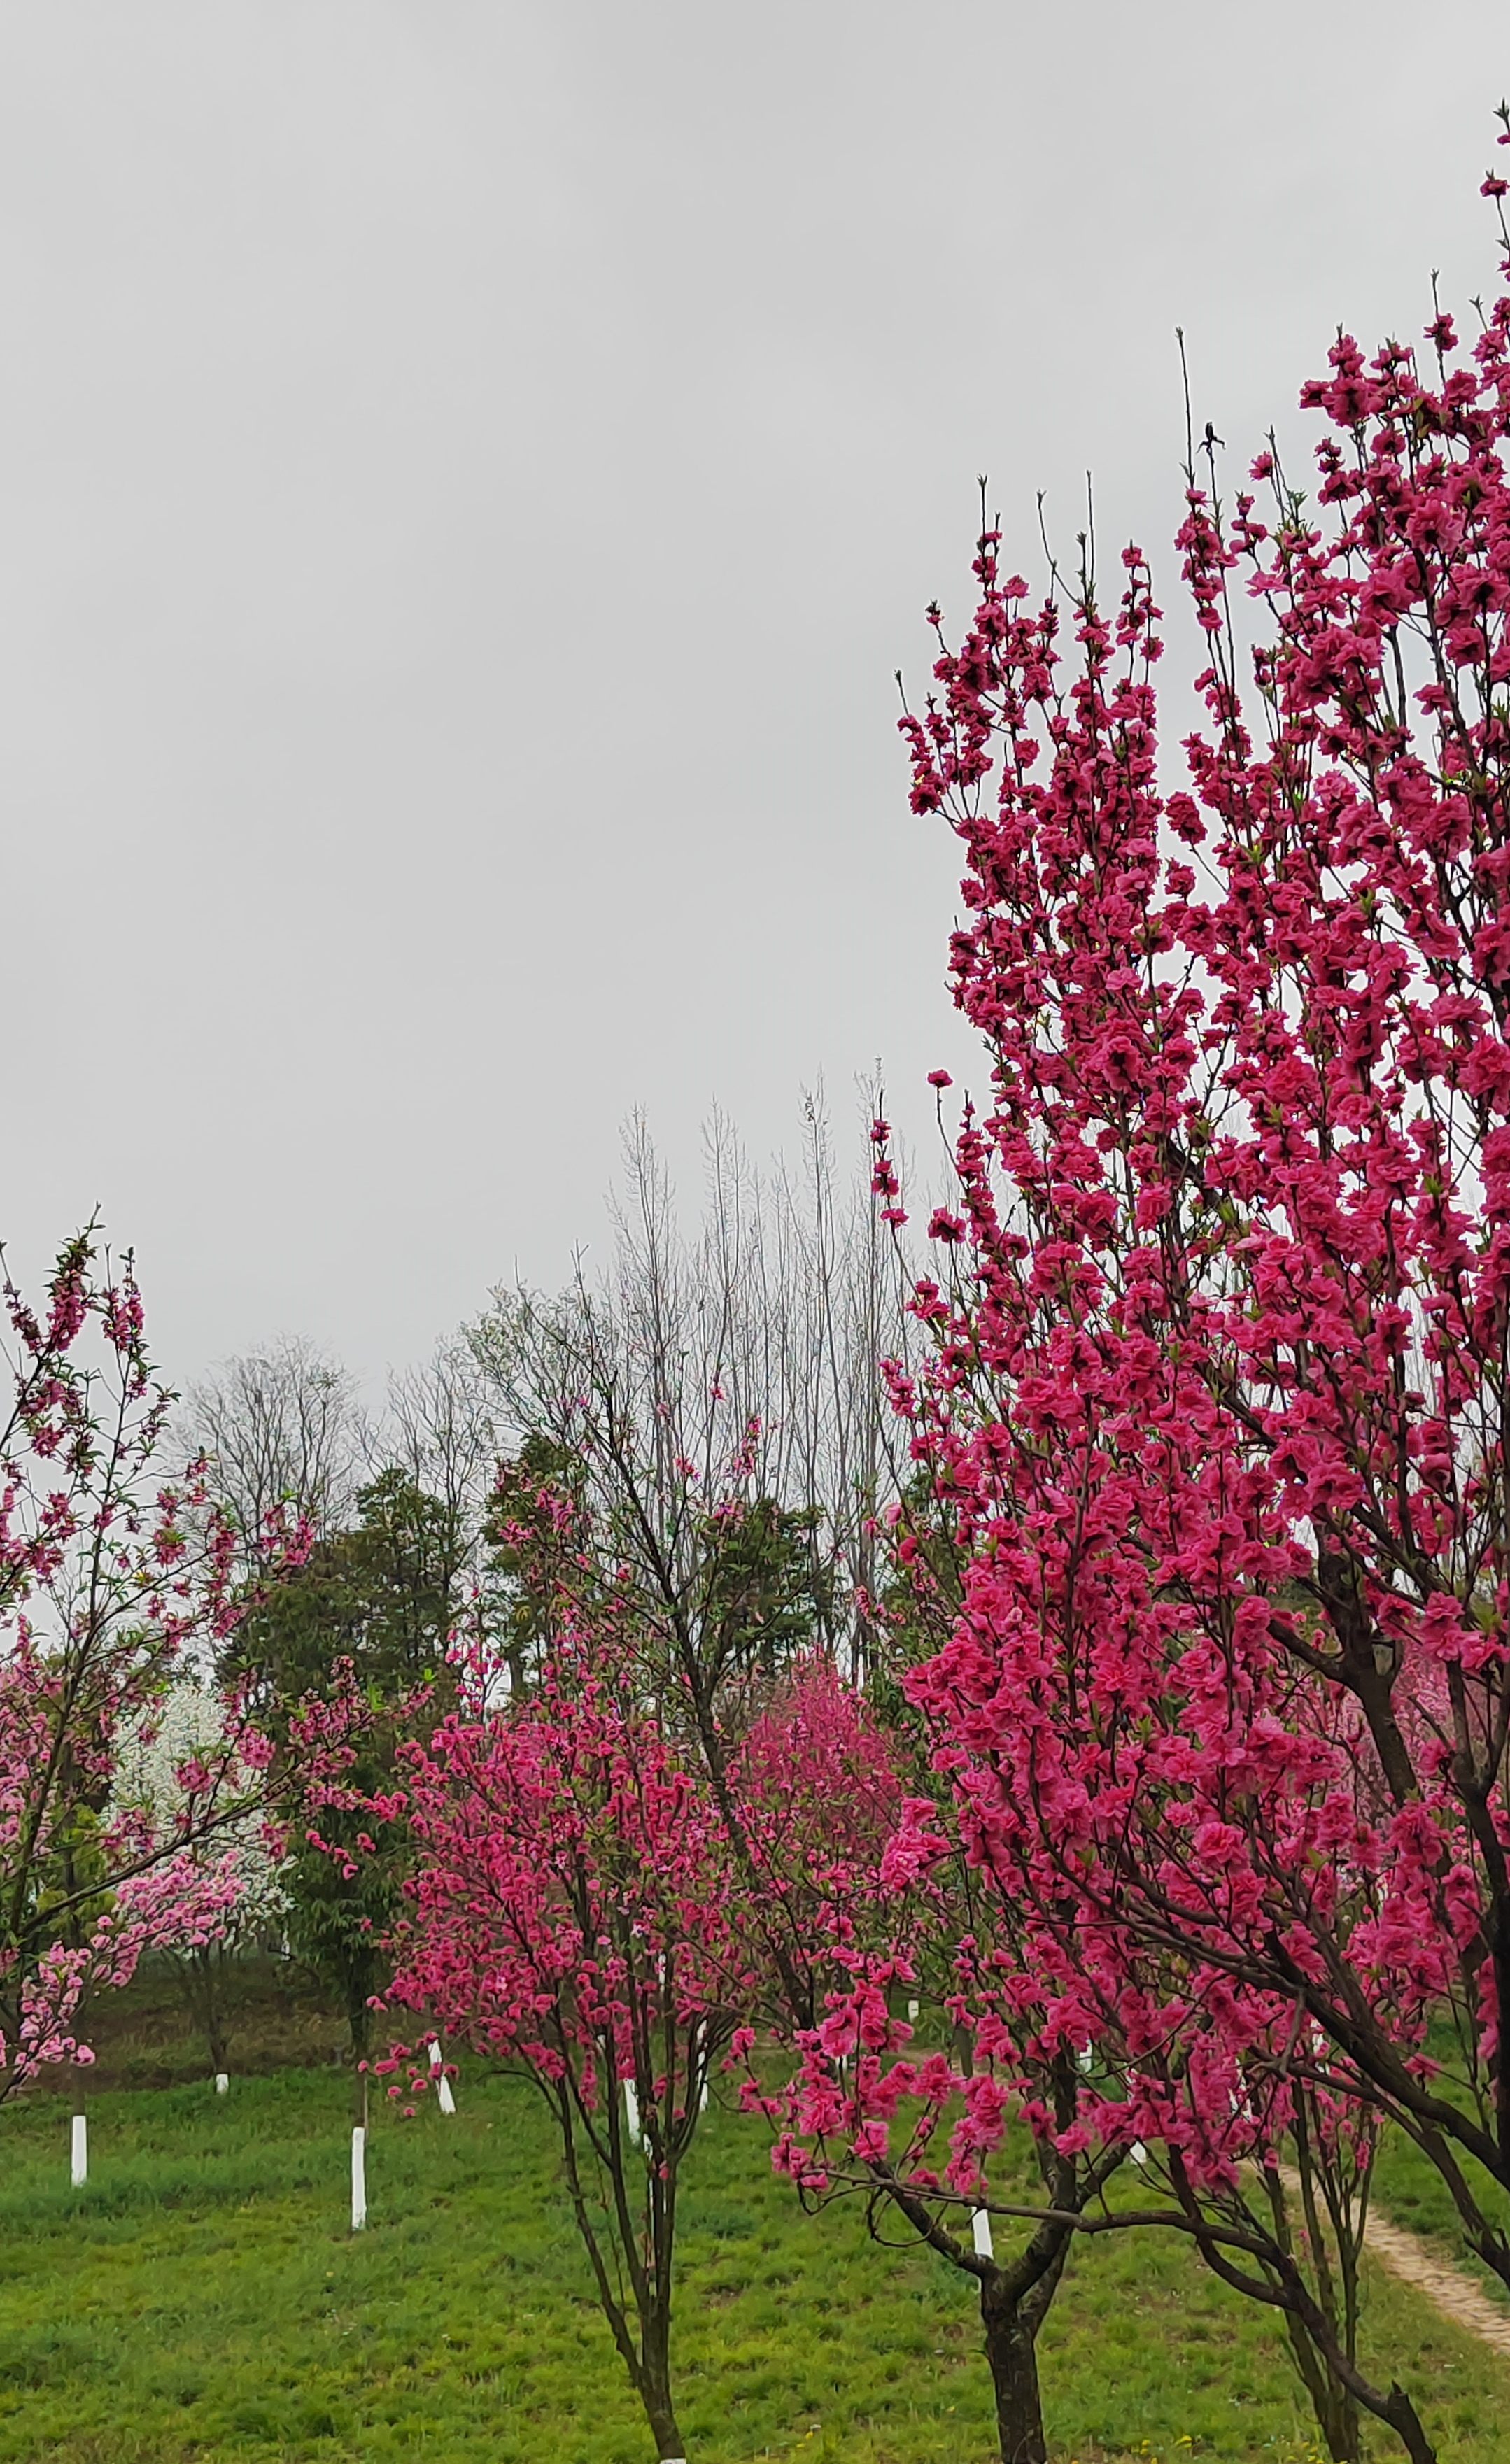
<point x="113" y="1584"/>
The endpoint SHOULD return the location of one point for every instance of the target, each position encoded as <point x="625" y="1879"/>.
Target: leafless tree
<point x="441" y="1427"/>
<point x="755" y="1338"/>
<point x="441" y="1431"/>
<point x="283" y="1426"/>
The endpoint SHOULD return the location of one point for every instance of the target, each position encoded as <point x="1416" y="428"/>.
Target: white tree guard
<point x="79" y="2152"/>
<point x="632" y="2113"/>
<point x="981" y="2233"/>
<point x="359" y="2179"/>
<point x="443" y="2096"/>
<point x="222" y="2082"/>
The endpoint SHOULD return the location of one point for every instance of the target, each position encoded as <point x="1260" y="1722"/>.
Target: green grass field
<point x="204" y="2298"/>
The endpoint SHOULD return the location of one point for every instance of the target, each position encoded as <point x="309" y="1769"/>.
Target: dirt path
<point x="1456" y="2294"/>
<point x="1406" y="2256"/>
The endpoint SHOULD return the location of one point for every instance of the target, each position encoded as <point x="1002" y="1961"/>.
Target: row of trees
<point x="1194" y="1826"/>
<point x="671" y="1751"/>
<point x="687" y="1853"/>
<point x="1117" y="1764"/>
<point x="758" y="1336"/>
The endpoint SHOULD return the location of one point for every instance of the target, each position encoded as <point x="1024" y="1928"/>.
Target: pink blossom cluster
<point x="572" y="1907"/>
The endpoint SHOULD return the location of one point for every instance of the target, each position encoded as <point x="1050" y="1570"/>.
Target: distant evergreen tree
<point x="384" y="1596"/>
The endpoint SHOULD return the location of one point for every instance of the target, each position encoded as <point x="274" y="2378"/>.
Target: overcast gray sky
<point x="468" y="474"/>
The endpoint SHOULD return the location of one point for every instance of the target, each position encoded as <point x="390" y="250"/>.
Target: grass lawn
<point x="202" y="2298"/>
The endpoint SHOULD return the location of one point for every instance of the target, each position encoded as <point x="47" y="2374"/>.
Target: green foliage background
<point x="383" y="1596"/>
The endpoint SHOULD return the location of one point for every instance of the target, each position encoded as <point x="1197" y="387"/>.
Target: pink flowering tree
<point x="711" y="1586"/>
<point x="812" y="1782"/>
<point x="112" y="1582"/>
<point x="572" y="1916"/>
<point x="926" y="2116"/>
<point x="807" y="1784"/>
<point x="879" y="1916"/>
<point x="1217" y="1400"/>
<point x="880" y="1913"/>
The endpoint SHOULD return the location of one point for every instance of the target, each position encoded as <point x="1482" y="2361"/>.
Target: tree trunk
<point x="654" y="2379"/>
<point x="1014" y="2358"/>
<point x="359" y="2020"/>
<point x="656" y="2396"/>
<point x="1341" y="2427"/>
<point x="214" y="2014"/>
<point x="1335" y="2406"/>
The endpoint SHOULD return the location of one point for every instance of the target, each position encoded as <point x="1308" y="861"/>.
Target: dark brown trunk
<point x="1014" y="2358"/>
<point x="1335" y="2406"/>
<point x="359" y="2020"/>
<point x="669" y="2448"/>
<point x="216" y="2030"/>
<point x="655" y="2395"/>
<point x="1341" y="2427"/>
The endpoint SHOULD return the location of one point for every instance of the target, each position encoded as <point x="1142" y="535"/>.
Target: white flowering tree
<point x="241" y="1864"/>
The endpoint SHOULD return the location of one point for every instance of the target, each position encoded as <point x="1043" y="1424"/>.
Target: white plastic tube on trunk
<point x="359" y="2179"/>
<point x="443" y="2096"/>
<point x="632" y="2113"/>
<point x="222" y="2082"/>
<point x="79" y="2152"/>
<point x="981" y="2233"/>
